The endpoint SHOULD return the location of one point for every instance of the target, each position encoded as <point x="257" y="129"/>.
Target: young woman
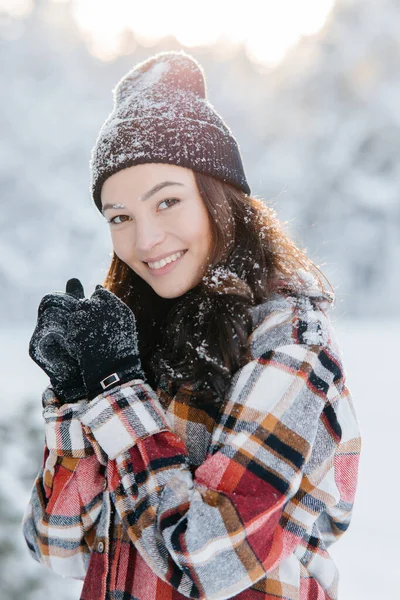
<point x="201" y="441"/>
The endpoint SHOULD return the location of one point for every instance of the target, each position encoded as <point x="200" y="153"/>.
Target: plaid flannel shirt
<point x="146" y="496"/>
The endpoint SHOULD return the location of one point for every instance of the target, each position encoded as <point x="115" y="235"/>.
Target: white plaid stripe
<point x="118" y="420"/>
<point x="64" y="433"/>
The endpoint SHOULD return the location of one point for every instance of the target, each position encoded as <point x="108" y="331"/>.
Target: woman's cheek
<point x="121" y="245"/>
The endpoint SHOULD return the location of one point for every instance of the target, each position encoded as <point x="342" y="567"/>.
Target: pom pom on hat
<point x="161" y="115"/>
<point x="174" y="70"/>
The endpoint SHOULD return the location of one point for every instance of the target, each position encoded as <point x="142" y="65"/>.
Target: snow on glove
<point x="102" y="334"/>
<point x="47" y="348"/>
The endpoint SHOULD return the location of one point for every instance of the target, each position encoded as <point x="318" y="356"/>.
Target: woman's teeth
<point x="165" y="261"/>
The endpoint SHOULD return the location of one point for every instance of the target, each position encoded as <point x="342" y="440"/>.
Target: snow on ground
<point x="367" y="556"/>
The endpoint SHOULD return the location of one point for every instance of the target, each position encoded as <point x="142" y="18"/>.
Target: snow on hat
<point x="161" y="115"/>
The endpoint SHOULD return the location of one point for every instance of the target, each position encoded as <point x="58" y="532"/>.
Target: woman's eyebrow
<point x="157" y="188"/>
<point x="151" y="192"/>
<point x="108" y="205"/>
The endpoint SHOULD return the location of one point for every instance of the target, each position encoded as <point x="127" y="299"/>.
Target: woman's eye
<point x="174" y="200"/>
<point x="114" y="222"/>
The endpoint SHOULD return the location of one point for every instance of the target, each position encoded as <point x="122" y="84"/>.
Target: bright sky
<point x="268" y="28"/>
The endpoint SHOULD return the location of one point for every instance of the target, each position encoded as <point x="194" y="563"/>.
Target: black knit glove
<point x="47" y="347"/>
<point x="102" y="336"/>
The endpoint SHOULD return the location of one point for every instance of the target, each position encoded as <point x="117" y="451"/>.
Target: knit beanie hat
<point x="161" y="115"/>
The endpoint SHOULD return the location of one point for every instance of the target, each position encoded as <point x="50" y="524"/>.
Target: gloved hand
<point x="102" y="335"/>
<point x="47" y="347"/>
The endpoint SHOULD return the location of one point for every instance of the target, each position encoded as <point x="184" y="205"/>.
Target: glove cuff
<point x="68" y="395"/>
<point x="113" y="375"/>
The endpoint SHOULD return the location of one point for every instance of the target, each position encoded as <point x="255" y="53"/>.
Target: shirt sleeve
<point x="60" y="518"/>
<point x="278" y="440"/>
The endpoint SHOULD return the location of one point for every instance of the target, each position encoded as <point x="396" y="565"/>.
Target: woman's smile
<point x="163" y="270"/>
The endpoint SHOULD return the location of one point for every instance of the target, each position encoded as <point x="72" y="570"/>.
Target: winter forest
<point x="319" y="133"/>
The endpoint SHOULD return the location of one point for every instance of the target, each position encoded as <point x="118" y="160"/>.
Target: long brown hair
<point x="200" y="338"/>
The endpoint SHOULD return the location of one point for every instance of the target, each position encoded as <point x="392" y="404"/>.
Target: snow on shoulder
<point x="300" y="317"/>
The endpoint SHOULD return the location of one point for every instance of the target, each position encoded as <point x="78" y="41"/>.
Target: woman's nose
<point x="148" y="235"/>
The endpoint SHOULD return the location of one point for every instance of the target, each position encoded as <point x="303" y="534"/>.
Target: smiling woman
<point x="201" y="441"/>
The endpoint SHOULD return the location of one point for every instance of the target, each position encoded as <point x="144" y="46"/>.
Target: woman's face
<point x="155" y="211"/>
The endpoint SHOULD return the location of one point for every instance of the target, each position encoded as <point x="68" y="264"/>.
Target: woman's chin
<point x="173" y="287"/>
<point x="165" y="291"/>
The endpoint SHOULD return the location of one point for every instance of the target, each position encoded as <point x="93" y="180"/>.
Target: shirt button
<point x="104" y="484"/>
<point x="100" y="547"/>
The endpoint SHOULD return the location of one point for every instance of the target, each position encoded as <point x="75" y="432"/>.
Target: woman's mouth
<point x="164" y="269"/>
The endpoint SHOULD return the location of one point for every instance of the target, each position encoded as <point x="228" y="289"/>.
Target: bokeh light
<point x="266" y="28"/>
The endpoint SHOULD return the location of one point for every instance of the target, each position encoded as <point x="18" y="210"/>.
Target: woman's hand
<point x="102" y="335"/>
<point x="47" y="344"/>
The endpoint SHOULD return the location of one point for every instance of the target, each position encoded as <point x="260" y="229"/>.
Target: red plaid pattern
<point x="202" y="501"/>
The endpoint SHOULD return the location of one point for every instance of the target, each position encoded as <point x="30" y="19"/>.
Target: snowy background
<point x="319" y="135"/>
